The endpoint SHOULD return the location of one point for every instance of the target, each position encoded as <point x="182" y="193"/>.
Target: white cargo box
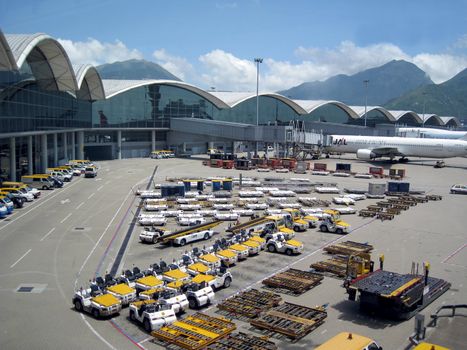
<point x="243" y="212"/>
<point x="251" y="194"/>
<point x="191" y="221"/>
<point x="343" y="200"/>
<point x="322" y="189"/>
<point x="256" y="206"/>
<point x="282" y="193"/>
<point x="155" y="207"/>
<point x="226" y="216"/>
<point x="186" y="200"/>
<point x="345" y="210"/>
<point x="223" y="206"/>
<point x="289" y="205"/>
<point x="206" y="212"/>
<point x="190" y="206"/>
<point x="320" y="172"/>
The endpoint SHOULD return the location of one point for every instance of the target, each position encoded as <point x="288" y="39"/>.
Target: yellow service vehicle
<point x="333" y="223"/>
<point x="123" y="292"/>
<point x="429" y="346"/>
<point x="349" y="341"/>
<point x="298" y="224"/>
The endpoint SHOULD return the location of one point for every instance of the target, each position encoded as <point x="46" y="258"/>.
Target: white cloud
<point x="95" y="52"/>
<point x="440" y="67"/>
<point x="176" y="65"/>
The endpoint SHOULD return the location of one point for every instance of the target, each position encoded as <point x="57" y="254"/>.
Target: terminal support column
<point x="153" y="138"/>
<point x="44" y="153"/>
<point x="30" y="160"/>
<point x="55" y="139"/>
<point x="73" y="146"/>
<point x="12" y="159"/>
<point x="80" y="144"/>
<point x="65" y="146"/>
<point x="119" y="144"/>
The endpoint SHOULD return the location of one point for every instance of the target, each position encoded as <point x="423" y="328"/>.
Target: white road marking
<point x="324" y="331"/>
<point x="65" y="201"/>
<point x="145" y="340"/>
<point x="65" y="218"/>
<point x="91" y="195"/>
<point x="37" y="206"/>
<point x="48" y="233"/>
<point x="79" y="206"/>
<point x="98" y="179"/>
<point x="107" y="182"/>
<point x="17" y="261"/>
<point x="97" y="334"/>
<point x="100" y="187"/>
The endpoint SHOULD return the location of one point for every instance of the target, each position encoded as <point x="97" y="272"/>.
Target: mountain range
<point x="396" y="85"/>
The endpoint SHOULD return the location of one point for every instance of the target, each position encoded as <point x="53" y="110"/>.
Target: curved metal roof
<point x="23" y="44"/>
<point x="7" y="61"/>
<point x="427" y="118"/>
<point x="399" y="114"/>
<point x="311" y="105"/>
<point x="233" y="99"/>
<point x="114" y="87"/>
<point x="452" y="120"/>
<point x="360" y="110"/>
<point x="91" y="78"/>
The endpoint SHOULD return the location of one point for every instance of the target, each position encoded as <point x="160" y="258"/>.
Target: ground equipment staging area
<point x="67" y="237"/>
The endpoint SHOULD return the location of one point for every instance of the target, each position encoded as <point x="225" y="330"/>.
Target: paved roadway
<point x="61" y="240"/>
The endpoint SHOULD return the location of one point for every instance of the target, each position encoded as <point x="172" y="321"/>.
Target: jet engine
<point x="365" y="154"/>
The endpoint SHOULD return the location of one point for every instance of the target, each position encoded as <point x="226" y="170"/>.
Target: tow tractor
<point x="277" y="243"/>
<point x="93" y="301"/>
<point x="297" y="223"/>
<point x="175" y="275"/>
<point x="123" y="292"/>
<point x="198" y="295"/>
<point x="210" y="260"/>
<point x="239" y="249"/>
<point x="168" y="296"/>
<point x="197" y="268"/>
<point x="151" y="314"/>
<point x="253" y="246"/>
<point x="334" y="224"/>
<point x="148" y="282"/>
<point x="218" y="278"/>
<point x="152" y="234"/>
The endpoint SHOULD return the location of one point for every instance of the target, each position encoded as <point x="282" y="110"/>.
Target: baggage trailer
<point x="195" y="332"/>
<point x="293" y="281"/>
<point x="348" y="248"/>
<point x="249" y="303"/>
<point x="243" y="341"/>
<point x="394" y="295"/>
<point x="343" y="266"/>
<point x="292" y="320"/>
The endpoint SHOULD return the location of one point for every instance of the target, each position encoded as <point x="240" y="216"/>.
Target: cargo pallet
<point x="292" y="320"/>
<point x="348" y="248"/>
<point x="334" y="266"/>
<point x="366" y="213"/>
<point x="384" y="216"/>
<point x="243" y="341"/>
<point x="434" y="197"/>
<point x="293" y="281"/>
<point x="195" y="332"/>
<point x="249" y="303"/>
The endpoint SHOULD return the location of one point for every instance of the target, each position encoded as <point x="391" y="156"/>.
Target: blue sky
<point x="212" y="43"/>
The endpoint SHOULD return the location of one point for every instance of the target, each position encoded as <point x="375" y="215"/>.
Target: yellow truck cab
<point x="429" y="346"/>
<point x="349" y="341"/>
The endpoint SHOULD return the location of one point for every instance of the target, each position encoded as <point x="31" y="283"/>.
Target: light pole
<point x="424" y="104"/>
<point x="366" y="96"/>
<point x="257" y="61"/>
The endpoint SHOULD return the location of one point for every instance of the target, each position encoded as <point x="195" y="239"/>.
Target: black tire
<point x="339" y="231"/>
<point x="271" y="248"/>
<point x="44" y="187"/>
<point x="132" y="316"/>
<point x="227" y="282"/>
<point x="183" y="242"/>
<point x="78" y="305"/>
<point x="95" y="313"/>
<point x="323" y="228"/>
<point x="154" y="239"/>
<point x="192" y="303"/>
<point x="206" y="236"/>
<point x="288" y="251"/>
<point x="146" y="325"/>
<point x="296" y="228"/>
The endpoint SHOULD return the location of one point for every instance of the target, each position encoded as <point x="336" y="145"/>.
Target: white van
<point x="90" y="171"/>
<point x="60" y="174"/>
<point x="39" y="181"/>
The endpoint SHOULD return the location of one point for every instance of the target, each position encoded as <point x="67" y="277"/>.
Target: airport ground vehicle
<point x="92" y="300"/>
<point x="152" y="234"/>
<point x="60" y="174"/>
<point x="123" y="292"/>
<point x="218" y="278"/>
<point x="198" y="295"/>
<point x="192" y="237"/>
<point x="8" y="203"/>
<point x="3" y="211"/>
<point x="17" y="202"/>
<point x="333" y="223"/>
<point x="459" y="189"/>
<point x="177" y="301"/>
<point x="177" y="237"/>
<point x="429" y="346"/>
<point x="19" y="193"/>
<point x="90" y="171"/>
<point x="151" y="314"/>
<point x="349" y="341"/>
<point x="20" y="185"/>
<point x="297" y="223"/>
<point x="277" y="243"/>
<point x="42" y="181"/>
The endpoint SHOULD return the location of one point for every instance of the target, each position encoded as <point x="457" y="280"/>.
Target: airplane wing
<point x="386" y="151"/>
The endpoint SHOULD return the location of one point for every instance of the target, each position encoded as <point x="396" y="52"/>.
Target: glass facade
<point x="31" y="102"/>
<point x="373" y="118"/>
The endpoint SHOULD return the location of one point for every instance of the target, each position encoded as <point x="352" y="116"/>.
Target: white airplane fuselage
<point x="370" y="147"/>
<point x="431" y="133"/>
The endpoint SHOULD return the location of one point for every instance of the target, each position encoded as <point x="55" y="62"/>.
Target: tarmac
<point x="60" y="241"/>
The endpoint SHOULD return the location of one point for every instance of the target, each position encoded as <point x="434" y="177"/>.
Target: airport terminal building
<point x="52" y="111"/>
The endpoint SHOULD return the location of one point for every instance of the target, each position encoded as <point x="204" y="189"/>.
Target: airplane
<point x="431" y="133"/>
<point x="372" y="147"/>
